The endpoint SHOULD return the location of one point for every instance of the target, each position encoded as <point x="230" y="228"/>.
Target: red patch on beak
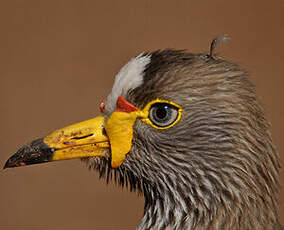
<point x="102" y="105"/>
<point x="124" y="106"/>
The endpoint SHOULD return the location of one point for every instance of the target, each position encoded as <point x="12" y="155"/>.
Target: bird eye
<point x="163" y="115"/>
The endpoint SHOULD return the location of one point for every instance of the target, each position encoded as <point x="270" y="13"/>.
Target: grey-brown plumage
<point x="188" y="132"/>
<point x="217" y="168"/>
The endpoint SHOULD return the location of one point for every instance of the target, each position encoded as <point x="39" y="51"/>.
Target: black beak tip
<point x="6" y="165"/>
<point x="11" y="163"/>
<point x="35" y="152"/>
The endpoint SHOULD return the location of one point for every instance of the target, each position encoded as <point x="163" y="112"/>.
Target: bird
<point x="185" y="130"/>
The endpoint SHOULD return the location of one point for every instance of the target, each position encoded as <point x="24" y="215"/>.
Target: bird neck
<point x="164" y="210"/>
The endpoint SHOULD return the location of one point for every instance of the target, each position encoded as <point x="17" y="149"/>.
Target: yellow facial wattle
<point x="119" y="129"/>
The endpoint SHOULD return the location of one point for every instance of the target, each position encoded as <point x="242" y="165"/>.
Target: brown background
<point x="58" y="60"/>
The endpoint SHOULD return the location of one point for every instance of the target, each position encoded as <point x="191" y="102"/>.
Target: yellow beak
<point x="91" y="138"/>
<point x="84" y="139"/>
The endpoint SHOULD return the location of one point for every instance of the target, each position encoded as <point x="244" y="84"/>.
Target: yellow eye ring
<point x="162" y="114"/>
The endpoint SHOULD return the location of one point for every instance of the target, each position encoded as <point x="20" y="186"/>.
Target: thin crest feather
<point x="216" y="42"/>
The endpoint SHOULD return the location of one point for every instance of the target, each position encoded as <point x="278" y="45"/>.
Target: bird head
<point x="185" y="129"/>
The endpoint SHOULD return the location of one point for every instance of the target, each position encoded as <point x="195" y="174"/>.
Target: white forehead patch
<point x="128" y="78"/>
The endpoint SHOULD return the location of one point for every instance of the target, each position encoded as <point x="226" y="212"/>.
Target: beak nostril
<point x="82" y="137"/>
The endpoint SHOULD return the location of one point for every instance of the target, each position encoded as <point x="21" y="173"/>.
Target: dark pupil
<point x="162" y="112"/>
